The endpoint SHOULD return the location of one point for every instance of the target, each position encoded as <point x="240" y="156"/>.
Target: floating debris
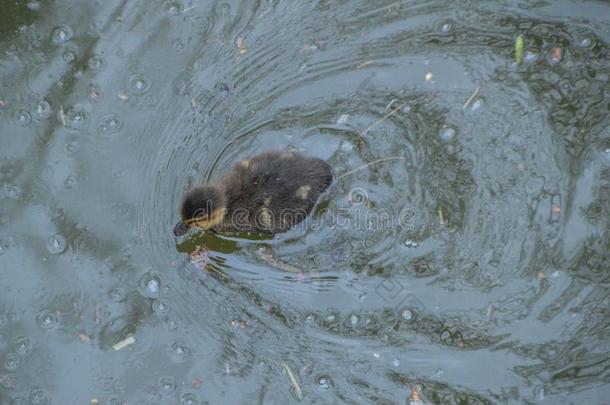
<point x="62" y="116"/>
<point x="519" y="45"/>
<point x="472" y="97"/>
<point x="84" y="338"/>
<point x="200" y="257"/>
<point x="197" y="383"/>
<point x="364" y="64"/>
<point x="429" y="77"/>
<point x="123" y="96"/>
<point x="556" y="54"/>
<point x="415" y="397"/>
<point x="343" y="119"/>
<point x="441" y="217"/>
<point x="383" y="119"/>
<point x="241" y="45"/>
<point x="56" y="244"/>
<point x="293" y="380"/>
<point x="124" y="343"/>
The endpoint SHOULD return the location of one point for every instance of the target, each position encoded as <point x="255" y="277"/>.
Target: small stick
<point x="390" y="104"/>
<point x="383" y="119"/>
<point x="293" y="380"/>
<point x="476" y="93"/>
<point x="364" y="64"/>
<point x="62" y="117"/>
<point x="124" y="343"/>
<point x="370" y="164"/>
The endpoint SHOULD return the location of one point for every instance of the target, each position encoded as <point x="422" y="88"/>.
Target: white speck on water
<point x="56" y="244"/>
<point x="343" y="119"/>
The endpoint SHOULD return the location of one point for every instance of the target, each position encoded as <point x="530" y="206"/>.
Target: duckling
<point x="268" y="193"/>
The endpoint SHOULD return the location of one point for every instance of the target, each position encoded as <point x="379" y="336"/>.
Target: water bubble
<point x="439" y="372"/>
<point x="396" y="362"/>
<point x="188" y="399"/>
<point x="48" y="319"/>
<point x="172" y="325"/>
<point x="11" y="362"/>
<point x="151" y="100"/>
<point x="354" y="319"/>
<point x="72" y="147"/>
<point x="22" y="118"/>
<point x="96" y="63"/>
<point x="8" y="382"/>
<point x="585" y="42"/>
<point x="447" y="134"/>
<point x="56" y="244"/>
<point x="180" y="352"/>
<point x="446" y="27"/>
<point x="411" y="243"/>
<point x="23" y="346"/>
<point x="150" y="285"/>
<point x="178" y="45"/>
<point x="324" y="381"/>
<point x="61" y="34"/>
<point x="69" y="56"/>
<point x="407" y="314"/>
<point x="173" y="7"/>
<point x="43" y="109"/>
<point x="109" y="125"/>
<point x="139" y="84"/>
<point x="530" y="57"/>
<point x="167" y="386"/>
<point x="160" y="307"/>
<point x="76" y="118"/>
<point x="223" y="89"/>
<point x="70" y="182"/>
<point x="343" y="119"/>
<point x="37" y="396"/>
<point x="33" y="5"/>
<point x="11" y="191"/>
<point x="117" y="294"/>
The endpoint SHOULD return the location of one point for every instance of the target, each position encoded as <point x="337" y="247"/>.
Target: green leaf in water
<point x="519" y="45"/>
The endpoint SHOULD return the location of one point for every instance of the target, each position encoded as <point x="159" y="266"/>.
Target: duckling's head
<point x="203" y="207"/>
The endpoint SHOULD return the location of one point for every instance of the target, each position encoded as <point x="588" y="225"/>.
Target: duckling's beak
<point x="180" y="229"/>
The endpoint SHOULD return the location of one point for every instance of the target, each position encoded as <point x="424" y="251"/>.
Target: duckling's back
<point x="273" y="191"/>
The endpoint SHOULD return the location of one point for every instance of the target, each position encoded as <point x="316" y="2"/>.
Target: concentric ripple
<point x="467" y="225"/>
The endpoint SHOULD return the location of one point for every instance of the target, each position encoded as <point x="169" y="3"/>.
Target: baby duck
<point x="268" y="193"/>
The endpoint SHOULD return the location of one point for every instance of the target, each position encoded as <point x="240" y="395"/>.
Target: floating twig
<point x="62" y="116"/>
<point x="383" y="119"/>
<point x="390" y="104"/>
<point x="293" y="380"/>
<point x="472" y="97"/>
<point x="124" y="343"/>
<point x="364" y="64"/>
<point x="370" y="164"/>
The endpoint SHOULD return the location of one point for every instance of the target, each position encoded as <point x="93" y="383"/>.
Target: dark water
<point x="473" y="267"/>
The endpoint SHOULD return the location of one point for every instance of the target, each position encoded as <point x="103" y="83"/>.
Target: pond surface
<point x="468" y="264"/>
